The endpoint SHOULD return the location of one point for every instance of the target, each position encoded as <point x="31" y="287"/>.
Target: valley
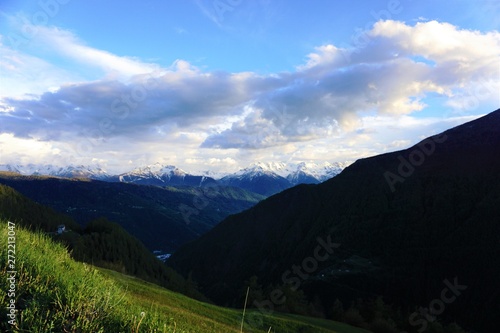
<point x="214" y="166"/>
<point x="261" y="178"/>
<point x="399" y="241"/>
<point x="162" y="218"/>
<point x="358" y="248"/>
<point x="95" y="299"/>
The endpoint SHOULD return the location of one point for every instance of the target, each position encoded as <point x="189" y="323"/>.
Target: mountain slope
<point x="403" y="222"/>
<point x="160" y="175"/>
<point x="257" y="180"/>
<point x="162" y="218"/>
<point x="71" y="171"/>
<point x="17" y="208"/>
<point x="101" y="242"/>
<point x="56" y="294"/>
<point x="270" y="178"/>
<point x="263" y="178"/>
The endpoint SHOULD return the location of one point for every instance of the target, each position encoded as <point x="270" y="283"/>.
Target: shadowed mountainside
<point x="404" y="222"/>
<point x="162" y="218"/>
<point x="101" y="243"/>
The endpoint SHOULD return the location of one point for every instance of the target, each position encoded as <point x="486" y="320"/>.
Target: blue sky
<point x="219" y="84"/>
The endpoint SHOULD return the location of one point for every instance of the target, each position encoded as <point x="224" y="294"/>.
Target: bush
<point x="383" y="326"/>
<point x="354" y="318"/>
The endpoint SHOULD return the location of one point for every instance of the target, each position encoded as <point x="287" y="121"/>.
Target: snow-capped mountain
<point x="320" y="172"/>
<point x="80" y="171"/>
<point x="9" y="168"/>
<point x="279" y="168"/>
<point x="163" y="175"/>
<point x="260" y="178"/>
<point x="273" y="177"/>
<point x="265" y="178"/>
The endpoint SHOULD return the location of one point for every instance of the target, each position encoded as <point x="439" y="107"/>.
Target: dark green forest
<point x="407" y="241"/>
<point x="435" y="220"/>
<point x="162" y="218"/>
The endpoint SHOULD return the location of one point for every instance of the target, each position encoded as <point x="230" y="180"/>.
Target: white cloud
<point x="66" y="44"/>
<point x="339" y="104"/>
<point x="392" y="72"/>
<point x="441" y="42"/>
<point x="326" y="57"/>
<point x="24" y="151"/>
<point x="51" y="57"/>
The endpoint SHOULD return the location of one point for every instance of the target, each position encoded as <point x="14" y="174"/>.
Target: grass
<point x="56" y="294"/>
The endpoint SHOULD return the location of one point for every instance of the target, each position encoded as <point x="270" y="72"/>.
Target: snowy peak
<point x="276" y="167"/>
<point x="10" y="168"/>
<point x="272" y="177"/>
<point x="291" y="171"/>
<point x="157" y="170"/>
<point x="265" y="178"/>
<point x="261" y="168"/>
<point x="80" y="171"/>
<point x="321" y="171"/>
<point x="163" y="175"/>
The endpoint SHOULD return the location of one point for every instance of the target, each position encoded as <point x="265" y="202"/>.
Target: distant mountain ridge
<point x="162" y="175"/>
<point x="271" y="178"/>
<point x="71" y="171"/>
<point x="261" y="177"/>
<point x="163" y="218"/>
<point x="319" y="171"/>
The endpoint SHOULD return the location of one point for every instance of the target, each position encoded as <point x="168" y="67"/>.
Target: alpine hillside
<point x="403" y="225"/>
<point x="163" y="218"/>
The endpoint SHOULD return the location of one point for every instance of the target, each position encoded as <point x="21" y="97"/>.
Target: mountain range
<point x="163" y="206"/>
<point x="271" y="178"/>
<point x="408" y="240"/>
<point x="162" y="175"/>
<point x="71" y="171"/>
<point x="262" y="178"/>
<point x="163" y="218"/>
<point x="419" y="227"/>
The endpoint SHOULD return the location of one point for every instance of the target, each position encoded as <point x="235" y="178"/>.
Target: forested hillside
<point x="392" y="228"/>
<point x="101" y="243"/>
<point x="162" y="218"/>
<point x="53" y="293"/>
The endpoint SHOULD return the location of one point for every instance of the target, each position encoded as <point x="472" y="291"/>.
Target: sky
<point x="220" y="84"/>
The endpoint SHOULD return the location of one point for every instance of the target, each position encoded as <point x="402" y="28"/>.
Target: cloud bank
<point x="394" y="72"/>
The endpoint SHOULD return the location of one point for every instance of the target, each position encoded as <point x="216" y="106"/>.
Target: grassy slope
<point x="57" y="294"/>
